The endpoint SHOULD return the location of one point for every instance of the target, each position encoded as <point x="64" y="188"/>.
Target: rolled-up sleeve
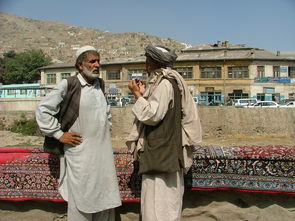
<point x="47" y="109"/>
<point x="152" y="110"/>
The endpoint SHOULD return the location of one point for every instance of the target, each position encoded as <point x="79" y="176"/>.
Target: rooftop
<point x="222" y="50"/>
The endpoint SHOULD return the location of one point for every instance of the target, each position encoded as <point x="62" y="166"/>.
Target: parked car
<point x="112" y="103"/>
<point x="290" y="104"/>
<point x="243" y="102"/>
<point x="196" y="100"/>
<point x="265" y="104"/>
<point x="122" y="101"/>
<point x="132" y="101"/>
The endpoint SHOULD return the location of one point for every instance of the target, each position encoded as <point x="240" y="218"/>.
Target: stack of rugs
<point x="27" y="173"/>
<point x="268" y="169"/>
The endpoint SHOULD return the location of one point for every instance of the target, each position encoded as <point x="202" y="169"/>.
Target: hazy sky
<point x="267" y="24"/>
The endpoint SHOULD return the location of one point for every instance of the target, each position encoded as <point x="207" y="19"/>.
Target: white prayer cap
<point x="83" y="49"/>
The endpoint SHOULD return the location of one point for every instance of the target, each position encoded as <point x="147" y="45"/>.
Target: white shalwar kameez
<point x="87" y="173"/>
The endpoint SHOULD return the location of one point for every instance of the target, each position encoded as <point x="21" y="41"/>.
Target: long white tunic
<point x="87" y="170"/>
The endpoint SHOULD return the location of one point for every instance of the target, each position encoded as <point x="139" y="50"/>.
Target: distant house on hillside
<point x="214" y="73"/>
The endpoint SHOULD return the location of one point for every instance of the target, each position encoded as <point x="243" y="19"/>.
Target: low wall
<point x="216" y="121"/>
<point x="18" y="104"/>
<point x="219" y="121"/>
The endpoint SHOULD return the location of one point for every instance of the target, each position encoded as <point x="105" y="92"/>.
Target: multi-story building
<point x="215" y="73"/>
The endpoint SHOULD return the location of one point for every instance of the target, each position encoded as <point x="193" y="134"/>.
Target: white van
<point x="244" y="102"/>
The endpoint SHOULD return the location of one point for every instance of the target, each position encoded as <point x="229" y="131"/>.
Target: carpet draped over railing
<point x="27" y="173"/>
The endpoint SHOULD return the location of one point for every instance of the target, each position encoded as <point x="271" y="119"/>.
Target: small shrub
<point x="24" y="126"/>
<point x="2" y="125"/>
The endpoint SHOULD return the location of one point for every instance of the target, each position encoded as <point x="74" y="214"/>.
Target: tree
<point x="6" y="56"/>
<point x="18" y="68"/>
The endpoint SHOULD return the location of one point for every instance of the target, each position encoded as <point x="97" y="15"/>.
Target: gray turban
<point x="161" y="54"/>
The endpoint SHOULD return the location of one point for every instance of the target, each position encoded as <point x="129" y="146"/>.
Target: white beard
<point x="90" y="74"/>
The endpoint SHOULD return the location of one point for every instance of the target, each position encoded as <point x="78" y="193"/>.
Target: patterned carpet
<point x="269" y="169"/>
<point x="29" y="174"/>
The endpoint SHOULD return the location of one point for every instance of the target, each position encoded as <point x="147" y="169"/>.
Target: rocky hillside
<point x="60" y="40"/>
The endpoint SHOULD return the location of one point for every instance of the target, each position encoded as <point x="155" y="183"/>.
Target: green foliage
<point x="18" y="68"/>
<point x="27" y="127"/>
<point x="2" y="126"/>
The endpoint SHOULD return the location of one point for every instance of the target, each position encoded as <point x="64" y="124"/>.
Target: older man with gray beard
<point x="88" y="180"/>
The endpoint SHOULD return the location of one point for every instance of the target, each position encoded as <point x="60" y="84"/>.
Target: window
<point x="276" y="71"/>
<point x="23" y="92"/>
<point x="238" y="94"/>
<point x="260" y="71"/>
<point x="238" y="72"/>
<point x="292" y="72"/>
<point x="136" y="73"/>
<point x="210" y="72"/>
<point x="185" y="72"/>
<point x="210" y="97"/>
<point x="65" y="75"/>
<point x="51" y="78"/>
<point x="113" y="75"/>
<point x="234" y="96"/>
<point x="268" y="90"/>
<point x="261" y="96"/>
<point x="11" y="92"/>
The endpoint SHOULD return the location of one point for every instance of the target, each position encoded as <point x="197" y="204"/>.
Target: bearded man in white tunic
<point x="164" y="133"/>
<point x="88" y="180"/>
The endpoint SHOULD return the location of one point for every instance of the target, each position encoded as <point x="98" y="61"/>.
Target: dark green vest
<point x="163" y="142"/>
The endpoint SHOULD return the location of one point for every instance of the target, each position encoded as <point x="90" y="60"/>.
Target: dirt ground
<point x="203" y="206"/>
<point x="234" y="140"/>
<point x="13" y="139"/>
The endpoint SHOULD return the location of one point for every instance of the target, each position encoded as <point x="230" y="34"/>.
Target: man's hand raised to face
<point x="137" y="87"/>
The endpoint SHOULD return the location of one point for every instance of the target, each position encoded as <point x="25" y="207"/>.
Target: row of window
<point x="51" y="77"/>
<point x="276" y="71"/>
<point x="207" y="72"/>
<point x="13" y="91"/>
<point x="19" y="92"/>
<point x="187" y="73"/>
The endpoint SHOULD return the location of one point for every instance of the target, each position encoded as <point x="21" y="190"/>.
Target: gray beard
<point x="90" y="74"/>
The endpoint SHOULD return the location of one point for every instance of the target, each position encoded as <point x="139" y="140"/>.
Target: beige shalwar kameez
<point x="161" y="194"/>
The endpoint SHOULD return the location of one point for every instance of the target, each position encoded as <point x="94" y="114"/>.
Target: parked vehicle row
<point x="240" y="103"/>
<point x="119" y="102"/>
<point x="253" y="103"/>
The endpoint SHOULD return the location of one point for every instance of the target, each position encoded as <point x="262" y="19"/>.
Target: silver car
<point x="265" y="104"/>
<point x="290" y="104"/>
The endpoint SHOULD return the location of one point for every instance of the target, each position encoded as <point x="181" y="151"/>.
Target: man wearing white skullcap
<point x="84" y="49"/>
<point x="88" y="180"/>
<point x="164" y="133"/>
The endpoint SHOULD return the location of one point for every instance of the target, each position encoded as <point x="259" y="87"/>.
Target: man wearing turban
<point x="165" y="130"/>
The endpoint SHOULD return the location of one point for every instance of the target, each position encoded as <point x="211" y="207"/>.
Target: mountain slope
<point x="60" y="40"/>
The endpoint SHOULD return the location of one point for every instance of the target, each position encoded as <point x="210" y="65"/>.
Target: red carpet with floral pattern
<point x="26" y="173"/>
